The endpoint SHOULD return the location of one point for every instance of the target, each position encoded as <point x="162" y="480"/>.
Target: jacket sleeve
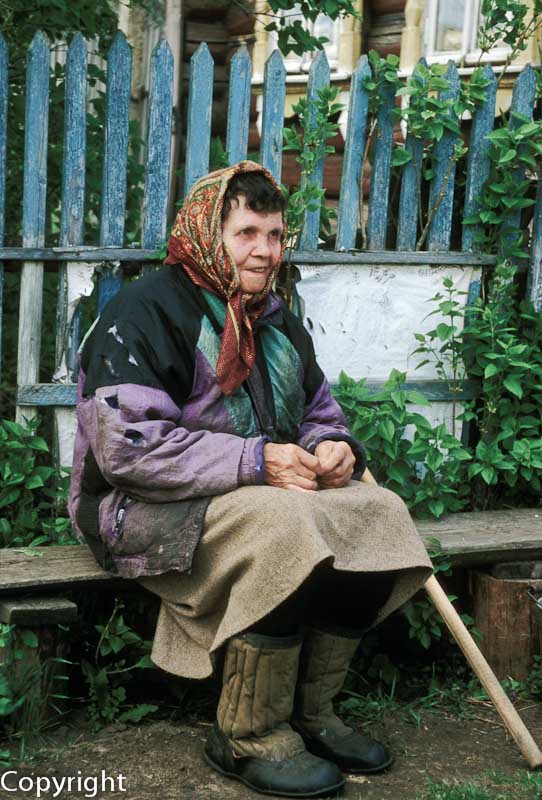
<point x="140" y="448"/>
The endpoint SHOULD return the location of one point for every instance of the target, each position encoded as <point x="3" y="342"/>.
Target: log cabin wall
<point x="384" y="21"/>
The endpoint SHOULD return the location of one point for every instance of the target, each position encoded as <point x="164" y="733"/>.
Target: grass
<point x="521" y="785"/>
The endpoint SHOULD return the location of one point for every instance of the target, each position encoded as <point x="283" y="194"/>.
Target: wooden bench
<point x="29" y="577"/>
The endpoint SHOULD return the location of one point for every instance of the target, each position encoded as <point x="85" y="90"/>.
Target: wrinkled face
<point x="254" y="240"/>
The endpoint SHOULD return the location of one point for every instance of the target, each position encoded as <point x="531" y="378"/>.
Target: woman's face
<point x="254" y="240"/>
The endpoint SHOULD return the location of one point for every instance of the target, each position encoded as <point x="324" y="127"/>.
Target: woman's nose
<point x="262" y="247"/>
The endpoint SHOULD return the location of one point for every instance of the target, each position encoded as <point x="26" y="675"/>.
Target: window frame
<point x="470" y="52"/>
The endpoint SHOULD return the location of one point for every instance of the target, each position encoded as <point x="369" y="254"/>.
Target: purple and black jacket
<point x="155" y="428"/>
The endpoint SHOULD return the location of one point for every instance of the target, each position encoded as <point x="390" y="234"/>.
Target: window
<point x="451" y="32"/>
<point x="322" y="26"/>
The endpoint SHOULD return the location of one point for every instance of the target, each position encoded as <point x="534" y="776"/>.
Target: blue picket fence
<point x="112" y="247"/>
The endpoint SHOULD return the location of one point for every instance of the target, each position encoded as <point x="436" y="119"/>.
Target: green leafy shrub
<point x="32" y="493"/>
<point x="120" y="651"/>
<point x="503" y="350"/>
<point x="426" y="468"/>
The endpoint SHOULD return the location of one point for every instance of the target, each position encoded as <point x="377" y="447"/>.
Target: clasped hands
<point x="288" y="466"/>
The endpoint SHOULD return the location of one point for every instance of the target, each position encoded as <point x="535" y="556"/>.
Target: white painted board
<point x="362" y="319"/>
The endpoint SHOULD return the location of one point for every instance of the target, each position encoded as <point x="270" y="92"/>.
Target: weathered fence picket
<point x="274" y="93"/>
<point x="155" y="198"/>
<point x="119" y="71"/>
<point x="409" y="200"/>
<point x="72" y="253"/>
<point x="68" y="318"/>
<point x="534" y="284"/>
<point x="3" y="155"/>
<point x="377" y="222"/>
<point x="523" y="98"/>
<point x="478" y="168"/>
<point x="478" y="163"/>
<point x="354" y="149"/>
<point x="318" y="78"/>
<point x="238" y="107"/>
<point x="441" y="194"/>
<point x="34" y="199"/>
<point x="73" y="195"/>
<point x="198" y="128"/>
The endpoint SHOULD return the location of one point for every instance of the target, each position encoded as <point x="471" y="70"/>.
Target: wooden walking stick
<point x="513" y="722"/>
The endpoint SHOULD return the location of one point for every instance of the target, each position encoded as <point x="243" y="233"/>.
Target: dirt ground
<point x="162" y="760"/>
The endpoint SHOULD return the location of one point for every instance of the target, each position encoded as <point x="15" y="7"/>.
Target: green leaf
<point x="400" y="156"/>
<point x="491" y="370"/>
<point x="513" y="385"/>
<point x="436" y="507"/>
<point x="508" y="156"/>
<point x="8" y="497"/>
<point x="386" y="430"/>
<point x="34" y="482"/>
<point x="489" y="475"/>
<point x="39" y="444"/>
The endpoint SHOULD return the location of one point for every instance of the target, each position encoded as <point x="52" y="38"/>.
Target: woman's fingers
<point x="333" y="458"/>
<point x="340" y="475"/>
<point x="302" y="483"/>
<point x="307" y="460"/>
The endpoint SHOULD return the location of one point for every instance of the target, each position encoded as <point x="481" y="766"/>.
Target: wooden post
<point x="509" y="622"/>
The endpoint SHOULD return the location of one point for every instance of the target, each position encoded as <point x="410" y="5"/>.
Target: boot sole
<point x="372" y="771"/>
<point x="319" y="793"/>
<point x="348" y="770"/>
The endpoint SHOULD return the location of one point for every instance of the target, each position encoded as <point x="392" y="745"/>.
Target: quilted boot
<point x="251" y="740"/>
<point x="324" y="662"/>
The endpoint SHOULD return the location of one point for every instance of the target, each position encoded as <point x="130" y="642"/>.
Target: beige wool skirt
<point x="260" y="544"/>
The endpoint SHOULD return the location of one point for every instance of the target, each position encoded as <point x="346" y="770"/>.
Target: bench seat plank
<point x="469" y="539"/>
<point x="43" y="568"/>
<point x="486" y="537"/>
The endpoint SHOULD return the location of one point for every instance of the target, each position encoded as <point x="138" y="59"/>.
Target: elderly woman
<point x="213" y="465"/>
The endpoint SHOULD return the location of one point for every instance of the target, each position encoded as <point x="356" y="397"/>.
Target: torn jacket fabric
<point x="154" y="426"/>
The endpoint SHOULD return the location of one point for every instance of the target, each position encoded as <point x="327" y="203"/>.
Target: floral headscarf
<point x="196" y="243"/>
